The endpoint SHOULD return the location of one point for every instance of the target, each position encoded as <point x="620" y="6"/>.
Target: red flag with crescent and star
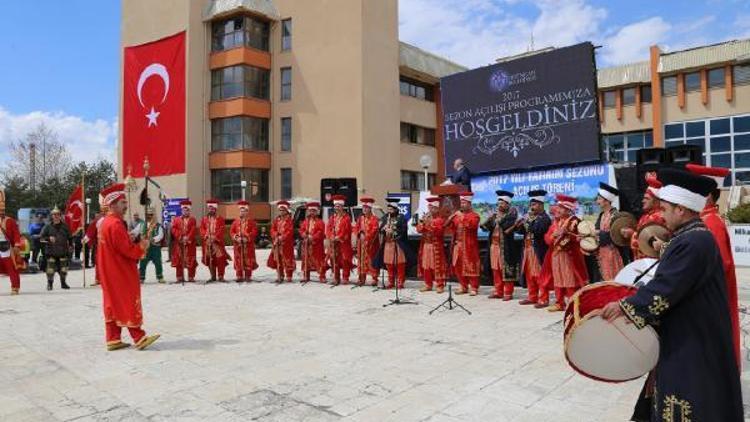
<point x="74" y="210"/>
<point x="153" y="109"/>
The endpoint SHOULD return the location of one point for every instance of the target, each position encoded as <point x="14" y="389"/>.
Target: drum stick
<point x="637" y="281"/>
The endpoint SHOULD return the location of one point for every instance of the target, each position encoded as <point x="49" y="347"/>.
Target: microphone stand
<point x="397" y="300"/>
<point x="449" y="302"/>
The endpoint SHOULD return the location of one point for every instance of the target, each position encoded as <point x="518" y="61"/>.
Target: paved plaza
<point x="266" y="352"/>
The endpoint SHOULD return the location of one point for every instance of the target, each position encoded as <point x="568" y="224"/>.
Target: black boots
<point x="49" y="284"/>
<point x="63" y="284"/>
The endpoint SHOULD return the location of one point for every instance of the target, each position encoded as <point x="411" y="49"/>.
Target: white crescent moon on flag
<point x="154" y="69"/>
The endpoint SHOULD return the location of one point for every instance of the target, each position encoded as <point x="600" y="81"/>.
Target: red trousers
<point x="536" y="292"/>
<point x="392" y="274"/>
<point x="181" y="273"/>
<point x="502" y="288"/>
<point x="339" y="272"/>
<point x="465" y="282"/>
<point x="563" y="292"/>
<point x="429" y="277"/>
<point x="6" y="264"/>
<point x="217" y="267"/>
<point x="321" y="276"/>
<point x="113" y="332"/>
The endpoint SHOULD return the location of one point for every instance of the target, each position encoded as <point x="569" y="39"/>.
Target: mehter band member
<point x="243" y="233"/>
<point x="212" y="236"/>
<point x="608" y="259"/>
<point x="432" y="264"/>
<point x="339" y="234"/>
<point x="368" y="242"/>
<point x="313" y="233"/>
<point x="183" y="243"/>
<point x="533" y="227"/>
<point x="464" y="225"/>
<point x="568" y="266"/>
<point x="503" y="252"/>
<point x="395" y="254"/>
<point x="281" y="258"/>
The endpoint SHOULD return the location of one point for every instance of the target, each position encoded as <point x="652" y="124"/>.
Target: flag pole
<point x="85" y="223"/>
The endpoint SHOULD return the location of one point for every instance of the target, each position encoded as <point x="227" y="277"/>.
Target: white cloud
<point x="631" y="43"/>
<point x="476" y="32"/>
<point x="86" y="140"/>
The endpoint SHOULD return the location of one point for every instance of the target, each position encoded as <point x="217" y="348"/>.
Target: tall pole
<point x="146" y="166"/>
<point x="84" y="216"/>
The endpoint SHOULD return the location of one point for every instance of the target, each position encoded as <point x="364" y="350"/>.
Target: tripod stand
<point x="449" y="303"/>
<point x="397" y="300"/>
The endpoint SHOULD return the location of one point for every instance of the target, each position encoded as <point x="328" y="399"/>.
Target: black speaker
<point x="648" y="160"/>
<point x="682" y="154"/>
<point x="346" y="186"/>
<point x="627" y="184"/>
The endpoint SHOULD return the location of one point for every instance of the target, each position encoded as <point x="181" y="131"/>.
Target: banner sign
<point x="171" y="209"/>
<point x="581" y="182"/>
<point x="404" y="203"/>
<point x="539" y="110"/>
<point x="739" y="236"/>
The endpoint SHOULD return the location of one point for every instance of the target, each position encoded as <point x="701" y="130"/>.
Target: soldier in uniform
<point x="58" y="243"/>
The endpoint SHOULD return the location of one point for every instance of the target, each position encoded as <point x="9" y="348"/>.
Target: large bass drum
<point x="606" y="351"/>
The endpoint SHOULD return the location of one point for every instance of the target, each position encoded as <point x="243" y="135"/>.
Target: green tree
<point x="17" y="194"/>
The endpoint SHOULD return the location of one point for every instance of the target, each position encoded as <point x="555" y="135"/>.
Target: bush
<point x="739" y="214"/>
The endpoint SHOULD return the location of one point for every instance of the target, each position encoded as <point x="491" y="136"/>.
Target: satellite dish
<point x="425" y="161"/>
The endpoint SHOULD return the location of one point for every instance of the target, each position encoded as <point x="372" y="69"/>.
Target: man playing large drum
<point x="696" y="377"/>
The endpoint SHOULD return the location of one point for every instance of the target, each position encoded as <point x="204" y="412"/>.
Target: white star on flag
<point x="152" y="116"/>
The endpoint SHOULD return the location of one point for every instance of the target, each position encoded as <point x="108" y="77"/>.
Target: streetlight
<point x="88" y="207"/>
<point x="244" y="187"/>
<point x="425" y="161"/>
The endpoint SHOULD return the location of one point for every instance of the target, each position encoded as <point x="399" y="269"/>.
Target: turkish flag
<point x="154" y="107"/>
<point x="74" y="210"/>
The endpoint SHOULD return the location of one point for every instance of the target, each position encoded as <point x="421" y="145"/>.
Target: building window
<point x="725" y="142"/>
<point x="226" y="184"/>
<point x="286" y="134"/>
<point x="412" y="134"/>
<point x="645" y="93"/>
<point x="412" y="88"/>
<point x="238" y="133"/>
<point x="414" y="180"/>
<point x="716" y="77"/>
<point x="286" y="34"/>
<point x="623" y="146"/>
<point x="239" y="81"/>
<point x="286" y="83"/>
<point x="692" y="81"/>
<point x="610" y="99"/>
<point x="286" y="183"/>
<point x="741" y="74"/>
<point x="628" y="96"/>
<point x="669" y="86"/>
<point x="240" y="32"/>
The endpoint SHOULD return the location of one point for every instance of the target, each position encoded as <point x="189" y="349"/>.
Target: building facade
<point x="283" y="93"/>
<point x="699" y="96"/>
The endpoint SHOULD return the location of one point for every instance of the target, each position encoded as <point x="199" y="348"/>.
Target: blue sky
<point x="59" y="59"/>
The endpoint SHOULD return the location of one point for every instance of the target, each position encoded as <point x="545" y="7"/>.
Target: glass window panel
<point x="741" y="74"/>
<point x="721" y="160"/>
<point x="616" y="142"/>
<point x="742" y="124"/>
<point x="673" y="143"/>
<point x="628" y="96"/>
<point x="674" y="131"/>
<point x="635" y="140"/>
<point x="742" y="160"/>
<point x="697" y="142"/>
<point x="692" y="81"/>
<point x="632" y="155"/>
<point x="742" y="177"/>
<point x="741" y="142"/>
<point x="716" y="77"/>
<point x="669" y="85"/>
<point x="693" y="129"/>
<point x="719" y="126"/>
<point x="648" y="139"/>
<point x="286" y="34"/>
<point x="645" y="93"/>
<point x="609" y="99"/>
<point x="286" y="182"/>
<point x="721" y="144"/>
<point x="286" y="84"/>
<point x="404" y="87"/>
<point x="286" y="134"/>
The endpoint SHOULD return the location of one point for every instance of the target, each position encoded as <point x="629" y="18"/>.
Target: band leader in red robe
<point x="243" y="233"/>
<point x="339" y="234"/>
<point x="464" y="225"/>
<point x="121" y="287"/>
<point x="281" y="258"/>
<point x="212" y="235"/>
<point x="183" y="243"/>
<point x="368" y="241"/>
<point x="431" y="262"/>
<point x="313" y="233"/>
<point x="713" y="221"/>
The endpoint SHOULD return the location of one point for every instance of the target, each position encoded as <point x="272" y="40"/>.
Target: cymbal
<point x="649" y="231"/>
<point x="620" y="221"/>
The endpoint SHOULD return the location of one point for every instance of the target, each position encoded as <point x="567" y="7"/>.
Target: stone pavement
<point x="293" y="353"/>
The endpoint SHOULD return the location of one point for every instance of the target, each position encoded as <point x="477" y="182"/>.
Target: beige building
<point x="699" y="96"/>
<point x="283" y="93"/>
